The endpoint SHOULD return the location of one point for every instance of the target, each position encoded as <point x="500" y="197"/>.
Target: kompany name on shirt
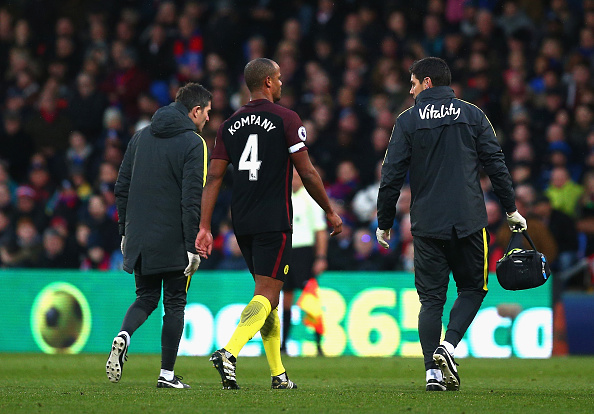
<point x="429" y="112"/>
<point x="251" y="120"/>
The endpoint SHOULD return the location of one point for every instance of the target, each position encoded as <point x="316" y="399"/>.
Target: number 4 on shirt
<point x="249" y="158"/>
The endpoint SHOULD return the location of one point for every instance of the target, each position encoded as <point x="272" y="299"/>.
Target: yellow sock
<point x="271" y="338"/>
<point x="252" y="318"/>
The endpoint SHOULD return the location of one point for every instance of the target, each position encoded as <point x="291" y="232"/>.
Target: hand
<point x="194" y="260"/>
<point x="335" y="222"/>
<point x="203" y="243"/>
<point x="382" y="236"/>
<point x="516" y="222"/>
<point x="122" y="244"/>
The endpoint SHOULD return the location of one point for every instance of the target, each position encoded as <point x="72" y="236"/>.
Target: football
<point x="60" y="320"/>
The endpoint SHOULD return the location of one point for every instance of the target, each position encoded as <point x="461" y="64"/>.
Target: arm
<point x="313" y="184"/>
<point x="394" y="168"/>
<point x="214" y="179"/>
<point x="493" y="161"/>
<point x="122" y="187"/>
<point x="192" y="182"/>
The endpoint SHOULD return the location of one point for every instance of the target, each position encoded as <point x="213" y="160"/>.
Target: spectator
<point x="563" y="192"/>
<point x="25" y="248"/>
<point x="79" y="153"/>
<point x="5" y="199"/>
<point x="585" y="216"/>
<point x="156" y="55"/>
<point x="114" y="129"/>
<point x="27" y="207"/>
<point x="125" y="81"/>
<point x="232" y="258"/>
<point x="365" y="254"/>
<point x="365" y="200"/>
<point x="96" y="257"/>
<point x="341" y="250"/>
<point x="40" y="181"/>
<point x="563" y="229"/>
<point x="16" y="146"/>
<point x="65" y="229"/>
<point x="87" y="106"/>
<point x="105" y="229"/>
<point x="188" y="49"/>
<point x="64" y="203"/>
<point x="5" y="178"/>
<point x="55" y="255"/>
<point x="49" y="127"/>
<point x="6" y="231"/>
<point x="347" y="182"/>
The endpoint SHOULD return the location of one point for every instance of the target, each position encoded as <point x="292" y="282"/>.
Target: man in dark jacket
<point x="158" y="194"/>
<point x="443" y="141"/>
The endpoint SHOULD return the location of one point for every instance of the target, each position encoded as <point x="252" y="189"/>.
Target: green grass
<point x="34" y="383"/>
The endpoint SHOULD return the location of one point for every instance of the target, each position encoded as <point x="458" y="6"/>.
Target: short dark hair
<point x="432" y="67"/>
<point x="256" y="71"/>
<point x="193" y="94"/>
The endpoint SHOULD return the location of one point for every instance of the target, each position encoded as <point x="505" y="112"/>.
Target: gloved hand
<point x="194" y="260"/>
<point x="382" y="236"/>
<point x="516" y="222"/>
<point x="122" y="244"/>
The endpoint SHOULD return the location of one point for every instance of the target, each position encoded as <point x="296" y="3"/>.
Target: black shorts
<point x="267" y="254"/>
<point x="300" y="268"/>
<point x="466" y="258"/>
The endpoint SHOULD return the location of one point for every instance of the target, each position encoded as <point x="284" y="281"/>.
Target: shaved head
<point x="256" y="72"/>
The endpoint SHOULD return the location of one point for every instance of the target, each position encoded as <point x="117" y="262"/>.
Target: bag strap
<point x="525" y="233"/>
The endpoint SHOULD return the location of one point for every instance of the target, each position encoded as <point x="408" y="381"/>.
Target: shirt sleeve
<point x="295" y="133"/>
<point x="220" y="151"/>
<point x="493" y="162"/>
<point x="122" y="185"/>
<point x="394" y="168"/>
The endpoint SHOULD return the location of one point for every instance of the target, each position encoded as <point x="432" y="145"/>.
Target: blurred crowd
<point x="78" y="78"/>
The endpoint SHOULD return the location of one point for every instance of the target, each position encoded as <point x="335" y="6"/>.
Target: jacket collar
<point x="435" y="93"/>
<point x="180" y="107"/>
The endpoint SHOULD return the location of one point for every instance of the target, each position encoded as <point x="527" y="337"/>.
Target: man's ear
<point x="268" y="81"/>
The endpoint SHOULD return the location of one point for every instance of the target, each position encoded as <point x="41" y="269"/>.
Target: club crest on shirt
<point x="302" y="133"/>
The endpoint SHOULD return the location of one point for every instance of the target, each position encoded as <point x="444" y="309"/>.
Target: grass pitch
<point x="35" y="383"/>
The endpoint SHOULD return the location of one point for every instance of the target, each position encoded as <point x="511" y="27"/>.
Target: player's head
<point x="427" y="73"/>
<point x="263" y="75"/>
<point x="196" y="98"/>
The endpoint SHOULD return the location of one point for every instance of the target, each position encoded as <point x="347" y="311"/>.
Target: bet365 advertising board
<point x="365" y="314"/>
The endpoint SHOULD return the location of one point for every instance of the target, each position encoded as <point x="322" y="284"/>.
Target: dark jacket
<point x="443" y="140"/>
<point x="158" y="192"/>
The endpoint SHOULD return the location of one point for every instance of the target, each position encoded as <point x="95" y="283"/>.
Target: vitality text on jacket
<point x="253" y="120"/>
<point x="430" y="112"/>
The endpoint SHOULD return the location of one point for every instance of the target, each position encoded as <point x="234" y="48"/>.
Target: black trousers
<point x="175" y="286"/>
<point x="467" y="259"/>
